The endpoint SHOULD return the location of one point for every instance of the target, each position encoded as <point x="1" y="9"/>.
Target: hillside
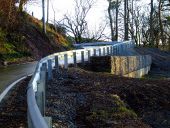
<point x="27" y="42"/>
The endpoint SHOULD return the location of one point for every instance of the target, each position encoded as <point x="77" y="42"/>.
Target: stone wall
<point x="128" y="66"/>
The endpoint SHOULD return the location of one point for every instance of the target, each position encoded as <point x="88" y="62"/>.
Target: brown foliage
<point x="8" y="14"/>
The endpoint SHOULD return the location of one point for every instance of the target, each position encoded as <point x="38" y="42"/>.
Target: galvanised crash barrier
<point x="36" y="90"/>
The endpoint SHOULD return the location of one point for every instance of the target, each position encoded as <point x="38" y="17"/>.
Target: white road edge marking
<point x="3" y="94"/>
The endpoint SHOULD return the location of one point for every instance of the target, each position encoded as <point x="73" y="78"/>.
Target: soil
<point x="82" y="98"/>
<point x="13" y="108"/>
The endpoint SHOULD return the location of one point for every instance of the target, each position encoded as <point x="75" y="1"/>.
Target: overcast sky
<point x="64" y="6"/>
<point x="97" y="13"/>
<point x="96" y="16"/>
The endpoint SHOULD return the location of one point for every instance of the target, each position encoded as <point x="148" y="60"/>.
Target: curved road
<point x="13" y="72"/>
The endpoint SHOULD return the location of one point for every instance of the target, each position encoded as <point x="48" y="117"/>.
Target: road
<point x="13" y="72"/>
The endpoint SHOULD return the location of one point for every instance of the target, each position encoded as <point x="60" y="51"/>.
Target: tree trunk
<point x="160" y="22"/>
<point x="111" y="21"/>
<point x="132" y="21"/>
<point x="21" y="5"/>
<point x="117" y="11"/>
<point x="47" y="11"/>
<point x="126" y="19"/>
<point x="151" y="42"/>
<point x="43" y="18"/>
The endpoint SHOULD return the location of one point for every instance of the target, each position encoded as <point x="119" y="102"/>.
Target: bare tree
<point x="126" y="19"/>
<point x="77" y="24"/>
<point x="48" y="3"/>
<point x="151" y="23"/>
<point x="117" y="14"/>
<point x="110" y="8"/>
<point x="54" y="20"/>
<point x="97" y="34"/>
<point x="160" y="7"/>
<point x="113" y="11"/>
<point x="22" y="3"/>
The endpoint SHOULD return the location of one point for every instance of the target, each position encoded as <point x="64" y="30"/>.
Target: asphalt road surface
<point x="13" y="72"/>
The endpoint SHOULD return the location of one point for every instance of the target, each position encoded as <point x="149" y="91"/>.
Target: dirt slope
<point x="95" y="100"/>
<point x="28" y="42"/>
<point x="13" y="108"/>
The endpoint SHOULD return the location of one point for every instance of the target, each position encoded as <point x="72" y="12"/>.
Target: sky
<point x="97" y="13"/>
<point x="96" y="16"/>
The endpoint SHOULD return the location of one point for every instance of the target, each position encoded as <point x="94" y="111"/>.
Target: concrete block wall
<point x="123" y="65"/>
<point x="128" y="66"/>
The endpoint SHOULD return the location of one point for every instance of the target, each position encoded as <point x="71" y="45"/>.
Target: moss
<point x="12" y="46"/>
<point x="9" y="47"/>
<point x="124" y="112"/>
<point x="14" y="56"/>
<point x="105" y="113"/>
<point x="13" y="42"/>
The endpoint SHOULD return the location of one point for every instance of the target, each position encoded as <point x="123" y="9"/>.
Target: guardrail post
<point x="56" y="64"/>
<point x="41" y="88"/>
<point x="94" y="50"/>
<point x="50" y="74"/>
<point x="124" y="47"/>
<point x="111" y="50"/>
<point x="65" y="61"/>
<point x="44" y="67"/>
<point x="107" y="50"/>
<point x="104" y="52"/>
<point x="82" y="57"/>
<point x="116" y="50"/>
<point x="119" y="49"/>
<point x="40" y="98"/>
<point x="89" y="54"/>
<point x="100" y="53"/>
<point x="75" y="59"/>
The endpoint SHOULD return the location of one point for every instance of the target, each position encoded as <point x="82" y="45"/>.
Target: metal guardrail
<point x="35" y="117"/>
<point x="96" y="44"/>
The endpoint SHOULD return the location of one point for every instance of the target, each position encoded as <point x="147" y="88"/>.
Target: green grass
<point x="104" y="113"/>
<point x="50" y="33"/>
<point x="12" y="42"/>
<point x="12" y="46"/>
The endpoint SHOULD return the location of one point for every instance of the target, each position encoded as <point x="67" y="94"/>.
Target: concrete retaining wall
<point x="128" y="66"/>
